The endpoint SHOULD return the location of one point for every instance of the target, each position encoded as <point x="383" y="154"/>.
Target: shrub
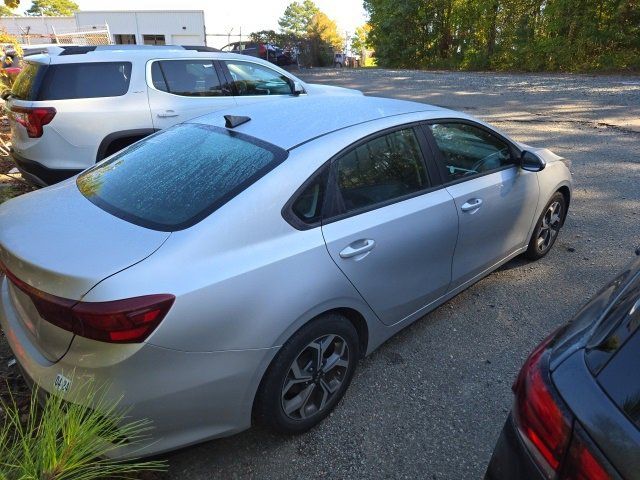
<point x="66" y="441"/>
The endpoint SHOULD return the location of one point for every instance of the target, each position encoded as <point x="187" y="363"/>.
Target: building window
<point x="153" y="39"/>
<point x="125" y="39"/>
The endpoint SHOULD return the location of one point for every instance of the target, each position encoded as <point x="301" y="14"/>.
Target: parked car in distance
<point x="70" y="109"/>
<point x="576" y="413"/>
<point x="237" y="266"/>
<point x="266" y="51"/>
<point x="11" y="62"/>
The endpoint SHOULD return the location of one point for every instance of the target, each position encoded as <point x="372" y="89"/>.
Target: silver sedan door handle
<point x="168" y="114"/>
<point x="471" y="205"/>
<point x="358" y="248"/>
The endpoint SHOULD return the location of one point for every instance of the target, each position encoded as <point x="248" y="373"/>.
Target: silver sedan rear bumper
<point x="185" y="408"/>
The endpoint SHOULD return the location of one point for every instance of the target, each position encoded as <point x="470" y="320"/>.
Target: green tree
<point x="6" y="11"/>
<point x="564" y="35"/>
<point x="51" y="8"/>
<point x="360" y="39"/>
<point x="324" y="39"/>
<point x="296" y="18"/>
<point x="326" y="30"/>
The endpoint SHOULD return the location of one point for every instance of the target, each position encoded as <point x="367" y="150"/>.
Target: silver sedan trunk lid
<point x="58" y="242"/>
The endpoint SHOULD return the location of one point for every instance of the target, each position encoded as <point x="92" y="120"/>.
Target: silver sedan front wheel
<point x="551" y="222"/>
<point x="548" y="227"/>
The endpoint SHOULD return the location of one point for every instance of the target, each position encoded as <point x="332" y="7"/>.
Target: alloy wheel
<point x="551" y="222"/>
<point x="315" y="376"/>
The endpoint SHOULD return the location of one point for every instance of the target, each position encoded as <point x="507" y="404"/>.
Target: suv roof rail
<point x="77" y="50"/>
<point x="82" y="49"/>
<point x="200" y="48"/>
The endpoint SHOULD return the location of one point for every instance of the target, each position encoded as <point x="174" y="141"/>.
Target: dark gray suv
<point x="576" y="413"/>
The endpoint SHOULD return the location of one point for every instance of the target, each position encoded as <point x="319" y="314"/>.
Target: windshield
<point x="175" y="178"/>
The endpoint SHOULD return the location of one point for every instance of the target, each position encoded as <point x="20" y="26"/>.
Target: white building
<point x="149" y="27"/>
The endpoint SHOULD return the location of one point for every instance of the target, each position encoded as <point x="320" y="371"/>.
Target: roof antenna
<point x="233" y="121"/>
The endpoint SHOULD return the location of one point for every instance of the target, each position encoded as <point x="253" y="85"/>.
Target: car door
<point x="387" y="228"/>
<point x="495" y="199"/>
<point x="183" y="89"/>
<point x="253" y="82"/>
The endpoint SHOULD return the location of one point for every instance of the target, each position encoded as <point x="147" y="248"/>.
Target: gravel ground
<point x="430" y="403"/>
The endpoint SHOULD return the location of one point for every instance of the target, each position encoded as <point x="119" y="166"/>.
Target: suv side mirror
<point x="297" y="88"/>
<point x="531" y="162"/>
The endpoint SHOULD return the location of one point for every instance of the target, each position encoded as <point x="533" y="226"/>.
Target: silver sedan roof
<point x="296" y="120"/>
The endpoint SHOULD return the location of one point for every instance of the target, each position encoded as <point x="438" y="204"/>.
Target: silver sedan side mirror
<point x="531" y="162"/>
<point x="297" y="88"/>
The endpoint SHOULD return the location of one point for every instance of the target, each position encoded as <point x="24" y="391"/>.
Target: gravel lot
<point x="430" y="403"/>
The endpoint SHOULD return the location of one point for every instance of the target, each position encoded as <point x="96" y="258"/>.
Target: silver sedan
<point x="235" y="268"/>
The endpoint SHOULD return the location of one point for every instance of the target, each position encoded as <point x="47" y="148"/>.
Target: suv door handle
<point x="168" y="114"/>
<point x="358" y="248"/>
<point x="471" y="205"/>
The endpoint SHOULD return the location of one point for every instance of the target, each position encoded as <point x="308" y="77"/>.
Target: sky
<point x="222" y="16"/>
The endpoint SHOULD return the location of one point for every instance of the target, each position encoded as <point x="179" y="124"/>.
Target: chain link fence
<point x="91" y="35"/>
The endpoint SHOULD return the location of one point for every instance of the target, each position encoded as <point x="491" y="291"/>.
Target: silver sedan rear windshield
<point x="175" y="178"/>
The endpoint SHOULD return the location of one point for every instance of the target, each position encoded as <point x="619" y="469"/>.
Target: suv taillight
<point x="557" y="443"/>
<point x="121" y="321"/>
<point x="539" y="414"/>
<point x="33" y="118"/>
<point x="584" y="461"/>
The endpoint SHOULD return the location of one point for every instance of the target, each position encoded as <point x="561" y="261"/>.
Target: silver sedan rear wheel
<point x="309" y="375"/>
<point x="315" y="376"/>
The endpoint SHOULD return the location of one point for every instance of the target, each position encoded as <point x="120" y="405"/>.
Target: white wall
<point x="34" y="26"/>
<point x="178" y="26"/>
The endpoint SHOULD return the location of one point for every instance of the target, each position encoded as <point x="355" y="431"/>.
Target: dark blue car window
<point x="175" y="178"/>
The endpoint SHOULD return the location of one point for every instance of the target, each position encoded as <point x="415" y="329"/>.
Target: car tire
<point x="294" y="394"/>
<point x="547" y="228"/>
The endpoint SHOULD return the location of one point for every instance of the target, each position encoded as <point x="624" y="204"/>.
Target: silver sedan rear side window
<point x="175" y="178"/>
<point x="380" y="170"/>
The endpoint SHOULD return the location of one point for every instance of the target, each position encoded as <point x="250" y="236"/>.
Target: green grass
<point x="65" y="441"/>
<point x="8" y="191"/>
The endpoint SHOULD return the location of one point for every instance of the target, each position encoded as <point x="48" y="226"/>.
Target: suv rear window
<point x="615" y="328"/>
<point x="85" y="80"/>
<point x="26" y="85"/>
<point x="175" y="178"/>
<point x="620" y="377"/>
